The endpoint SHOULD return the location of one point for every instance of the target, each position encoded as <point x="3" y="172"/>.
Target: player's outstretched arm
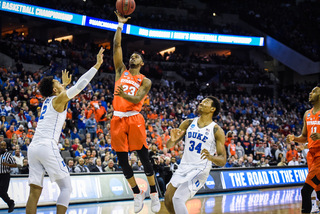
<point x="303" y="138"/>
<point x="141" y="93"/>
<point x="221" y="158"/>
<point x="60" y="102"/>
<point x="117" y="50"/>
<point x="177" y="134"/>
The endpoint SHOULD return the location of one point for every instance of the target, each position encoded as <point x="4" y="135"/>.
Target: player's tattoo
<point x="215" y="129"/>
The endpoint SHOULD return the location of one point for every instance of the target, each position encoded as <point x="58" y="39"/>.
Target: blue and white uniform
<point x="193" y="171"/>
<point x="43" y="153"/>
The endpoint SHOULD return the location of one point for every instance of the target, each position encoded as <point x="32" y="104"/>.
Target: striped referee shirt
<point x="7" y="158"/>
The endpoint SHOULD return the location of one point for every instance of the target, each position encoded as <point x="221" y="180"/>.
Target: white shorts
<point x="44" y="157"/>
<point x="194" y="176"/>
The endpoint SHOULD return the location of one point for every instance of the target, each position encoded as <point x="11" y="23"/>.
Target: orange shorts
<point x="128" y="133"/>
<point x="313" y="178"/>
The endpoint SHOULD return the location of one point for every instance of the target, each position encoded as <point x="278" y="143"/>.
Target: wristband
<point x="120" y="25"/>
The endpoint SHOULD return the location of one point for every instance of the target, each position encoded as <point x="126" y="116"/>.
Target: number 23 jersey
<point x="197" y="139"/>
<point x="130" y="85"/>
<point x="313" y="126"/>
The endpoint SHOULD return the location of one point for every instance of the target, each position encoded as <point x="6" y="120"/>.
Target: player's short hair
<point x="136" y="52"/>
<point x="318" y="85"/>
<point x="216" y="104"/>
<point x="46" y="86"/>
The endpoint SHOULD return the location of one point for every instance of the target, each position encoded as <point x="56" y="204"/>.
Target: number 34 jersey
<point x="197" y="139"/>
<point x="50" y="122"/>
<point x="313" y="126"/>
<point x="130" y="85"/>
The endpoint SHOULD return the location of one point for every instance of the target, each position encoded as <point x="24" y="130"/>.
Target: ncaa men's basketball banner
<point x="235" y="179"/>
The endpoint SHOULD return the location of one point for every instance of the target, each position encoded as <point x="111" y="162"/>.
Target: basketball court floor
<point x="286" y="200"/>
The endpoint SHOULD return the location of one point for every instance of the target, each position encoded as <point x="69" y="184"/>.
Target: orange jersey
<point x="313" y="126"/>
<point x="130" y="85"/>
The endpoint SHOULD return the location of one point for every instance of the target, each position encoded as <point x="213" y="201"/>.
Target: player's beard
<point x="133" y="66"/>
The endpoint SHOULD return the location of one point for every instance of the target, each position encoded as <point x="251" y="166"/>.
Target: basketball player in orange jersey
<point x="311" y="135"/>
<point x="128" y="131"/>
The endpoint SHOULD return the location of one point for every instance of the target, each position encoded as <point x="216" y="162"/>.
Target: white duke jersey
<point x="50" y="122"/>
<point x="197" y="139"/>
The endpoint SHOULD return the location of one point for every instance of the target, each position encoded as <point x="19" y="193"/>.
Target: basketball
<point x="125" y="7"/>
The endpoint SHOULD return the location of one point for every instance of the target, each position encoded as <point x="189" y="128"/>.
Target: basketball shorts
<point x="44" y="157"/>
<point x="194" y="176"/>
<point x="313" y="178"/>
<point x="128" y="133"/>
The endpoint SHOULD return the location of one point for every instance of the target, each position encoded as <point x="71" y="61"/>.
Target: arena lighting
<point x="77" y="19"/>
<point x="69" y="37"/>
<point x="169" y="50"/>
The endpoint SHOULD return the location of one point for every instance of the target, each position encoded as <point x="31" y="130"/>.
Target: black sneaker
<point x="11" y="207"/>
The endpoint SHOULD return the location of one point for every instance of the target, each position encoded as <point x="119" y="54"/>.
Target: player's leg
<point x="148" y="170"/>
<point x="168" y="197"/>
<point x="34" y="195"/>
<point x="58" y="172"/>
<point x="64" y="197"/>
<point x="36" y="173"/>
<point x="180" y="197"/>
<point x="128" y="174"/>
<point x="306" y="192"/>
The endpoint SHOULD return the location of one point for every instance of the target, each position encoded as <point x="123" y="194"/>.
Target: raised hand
<point x="66" y="78"/>
<point x="100" y="56"/>
<point x="121" y="18"/>
<point x="175" y="134"/>
<point x="290" y="138"/>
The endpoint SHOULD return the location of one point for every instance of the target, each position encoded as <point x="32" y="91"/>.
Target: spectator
<point x="75" y="134"/>
<point x="10" y="132"/>
<point x="80" y="151"/>
<point x="81" y="168"/>
<point x="239" y="150"/>
<point x="91" y="165"/>
<point x="291" y="153"/>
<point x="26" y="144"/>
<point x="278" y="151"/>
<point x="91" y="126"/>
<point x="231" y="148"/>
<point x="229" y="163"/>
<point x="294" y="162"/>
<point x="20" y="131"/>
<point x="25" y="167"/>
<point x="282" y="162"/>
<point x="110" y="167"/>
<point x="99" y="165"/>
<point x="70" y="166"/>
<point x="3" y="111"/>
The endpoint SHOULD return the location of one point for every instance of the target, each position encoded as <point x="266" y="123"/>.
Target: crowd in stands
<point x="294" y="23"/>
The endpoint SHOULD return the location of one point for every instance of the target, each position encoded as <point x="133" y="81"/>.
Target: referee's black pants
<point x="4" y="185"/>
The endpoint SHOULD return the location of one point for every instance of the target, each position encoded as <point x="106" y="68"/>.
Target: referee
<point x="6" y="161"/>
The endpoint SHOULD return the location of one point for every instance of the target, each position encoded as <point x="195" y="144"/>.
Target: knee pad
<point x="144" y="158"/>
<point x="65" y="191"/>
<point x="306" y="190"/>
<point x="124" y="163"/>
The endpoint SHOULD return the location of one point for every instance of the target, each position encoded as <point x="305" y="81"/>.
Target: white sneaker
<point x="315" y="208"/>
<point x="138" y="201"/>
<point x="155" y="203"/>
